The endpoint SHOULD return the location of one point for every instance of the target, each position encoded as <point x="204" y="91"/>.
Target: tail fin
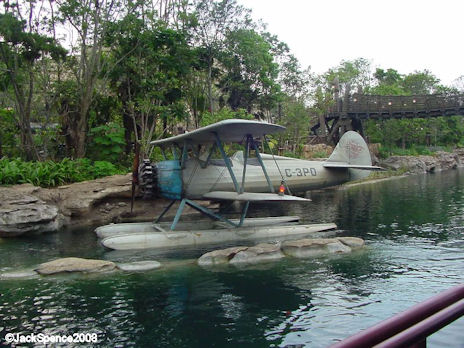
<point x="352" y="154"/>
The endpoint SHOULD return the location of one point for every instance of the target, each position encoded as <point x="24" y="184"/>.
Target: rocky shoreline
<point x="425" y="164"/>
<point x="27" y="209"/>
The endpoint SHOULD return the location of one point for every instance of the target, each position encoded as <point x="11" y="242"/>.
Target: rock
<point x="78" y="199"/>
<point x="447" y="160"/>
<point x="304" y="248"/>
<point x="217" y="257"/>
<point x="352" y="242"/>
<point x="258" y="253"/>
<point x="19" y="274"/>
<point x="22" y="213"/>
<point x="423" y="164"/>
<point x="409" y="163"/>
<point x="75" y="264"/>
<point x="459" y="156"/>
<point x="374" y="149"/>
<point x="139" y="266"/>
<point x="317" y="150"/>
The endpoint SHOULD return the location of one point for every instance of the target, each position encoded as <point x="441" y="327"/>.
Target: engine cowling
<point x="163" y="179"/>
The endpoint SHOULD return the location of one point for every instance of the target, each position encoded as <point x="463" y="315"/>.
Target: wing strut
<point x="227" y="162"/>
<point x="208" y="212"/>
<point x="260" y="160"/>
<point x="245" y="160"/>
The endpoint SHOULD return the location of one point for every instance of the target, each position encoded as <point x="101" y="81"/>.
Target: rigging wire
<point x="277" y="165"/>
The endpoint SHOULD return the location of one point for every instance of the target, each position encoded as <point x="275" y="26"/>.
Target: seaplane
<point x="191" y="172"/>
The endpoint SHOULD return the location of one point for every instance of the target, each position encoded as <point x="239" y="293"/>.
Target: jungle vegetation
<point x="89" y="78"/>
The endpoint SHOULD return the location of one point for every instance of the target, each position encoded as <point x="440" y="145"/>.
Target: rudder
<point x="352" y="150"/>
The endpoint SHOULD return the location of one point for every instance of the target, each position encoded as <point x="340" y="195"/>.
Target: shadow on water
<point x="414" y="235"/>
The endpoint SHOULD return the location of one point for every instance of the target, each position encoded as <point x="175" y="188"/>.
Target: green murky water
<point x="415" y="248"/>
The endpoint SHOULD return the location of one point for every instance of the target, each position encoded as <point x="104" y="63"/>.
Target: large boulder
<point x="259" y="253"/>
<point x="305" y="248"/>
<point x="221" y="256"/>
<point x="22" y="213"/>
<point x="75" y="264"/>
<point x="409" y="163"/>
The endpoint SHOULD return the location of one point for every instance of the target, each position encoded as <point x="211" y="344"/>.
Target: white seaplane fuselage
<point x="299" y="175"/>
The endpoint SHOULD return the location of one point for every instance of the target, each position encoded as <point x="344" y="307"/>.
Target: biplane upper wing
<point x="233" y="130"/>
<point x="251" y="197"/>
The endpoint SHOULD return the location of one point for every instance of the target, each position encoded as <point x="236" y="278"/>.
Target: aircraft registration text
<point x="289" y="172"/>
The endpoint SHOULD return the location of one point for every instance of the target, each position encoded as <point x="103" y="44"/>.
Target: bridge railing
<point x="360" y="103"/>
<point x="412" y="327"/>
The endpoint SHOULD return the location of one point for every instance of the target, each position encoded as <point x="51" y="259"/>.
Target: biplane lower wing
<point x="252" y="197"/>
<point x="344" y="165"/>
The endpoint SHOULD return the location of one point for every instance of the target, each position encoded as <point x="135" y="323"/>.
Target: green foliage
<point x="26" y="46"/>
<point x="290" y="154"/>
<point x="8" y="132"/>
<point x="320" y="154"/>
<point x="107" y="142"/>
<point x="49" y="174"/>
<point x="251" y="73"/>
<point x="413" y="150"/>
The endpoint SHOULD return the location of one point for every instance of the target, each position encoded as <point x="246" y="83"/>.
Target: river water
<point x="413" y="229"/>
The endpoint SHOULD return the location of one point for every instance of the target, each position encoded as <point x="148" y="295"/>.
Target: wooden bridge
<point x="347" y="113"/>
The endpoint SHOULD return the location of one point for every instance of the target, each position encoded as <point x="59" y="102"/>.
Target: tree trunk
<point x="23" y="107"/>
<point x="81" y="131"/>
<point x="210" y="84"/>
<point x="128" y="130"/>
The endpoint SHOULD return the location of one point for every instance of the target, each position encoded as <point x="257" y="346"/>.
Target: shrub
<point x="49" y="173"/>
<point x="107" y="142"/>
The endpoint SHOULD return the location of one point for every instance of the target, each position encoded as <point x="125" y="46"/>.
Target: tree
<point x="89" y="19"/>
<point x="420" y="82"/>
<point x="296" y="120"/>
<point x="351" y="75"/>
<point x="153" y="62"/>
<point x="20" y="49"/>
<point x="213" y="20"/>
<point x="250" y="71"/>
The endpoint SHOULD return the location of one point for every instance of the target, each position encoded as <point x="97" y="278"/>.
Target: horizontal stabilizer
<point x="251" y="197"/>
<point x="344" y="165"/>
